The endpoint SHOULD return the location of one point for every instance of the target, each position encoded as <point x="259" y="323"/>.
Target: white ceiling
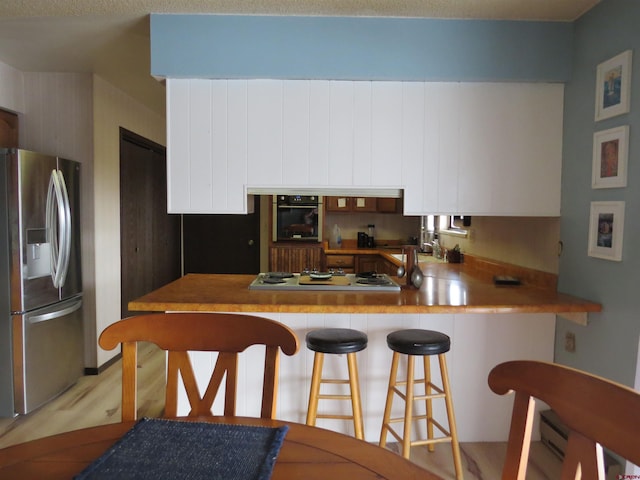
<point x="111" y="37"/>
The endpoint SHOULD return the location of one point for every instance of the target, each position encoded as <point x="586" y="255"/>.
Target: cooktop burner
<point x="305" y="282"/>
<point x="377" y="280"/>
<point x="279" y="274"/>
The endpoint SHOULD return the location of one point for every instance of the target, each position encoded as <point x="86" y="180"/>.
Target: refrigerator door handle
<point x="58" y="227"/>
<point x="57" y="314"/>
<point x="66" y="248"/>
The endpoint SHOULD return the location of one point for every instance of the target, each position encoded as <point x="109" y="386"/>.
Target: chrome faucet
<point x="426" y="237"/>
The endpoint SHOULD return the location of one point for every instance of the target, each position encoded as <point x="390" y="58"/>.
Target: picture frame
<point x="606" y="230"/>
<point x="610" y="157"/>
<point x="613" y="86"/>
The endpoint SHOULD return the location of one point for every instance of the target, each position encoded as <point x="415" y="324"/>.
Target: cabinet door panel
<point x="295" y="259"/>
<point x="200" y="107"/>
<point x="387" y="205"/>
<point x="428" y="184"/>
<point x="295" y="133"/>
<point x="445" y="147"/>
<point x="363" y="204"/>
<point x="265" y="132"/>
<point x="386" y="137"/>
<point x="483" y="115"/>
<point x="236" y="166"/>
<point x="367" y="263"/>
<point x="362" y="139"/>
<point x="337" y="204"/>
<point x="220" y="142"/>
<point x="413" y="140"/>
<point x="341" y="133"/>
<point x="179" y="168"/>
<point x="534" y="166"/>
<point x="319" y="125"/>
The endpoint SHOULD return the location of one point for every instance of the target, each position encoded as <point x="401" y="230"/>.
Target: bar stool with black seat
<point x="424" y="343"/>
<point x="336" y="341"/>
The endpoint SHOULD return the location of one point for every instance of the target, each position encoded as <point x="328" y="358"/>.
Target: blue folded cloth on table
<point x="159" y="449"/>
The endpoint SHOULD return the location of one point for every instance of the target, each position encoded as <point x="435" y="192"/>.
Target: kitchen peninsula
<point x="488" y="324"/>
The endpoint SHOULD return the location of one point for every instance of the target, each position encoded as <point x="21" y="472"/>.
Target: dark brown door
<point x="8" y="129"/>
<point x="222" y="243"/>
<point x="149" y="237"/>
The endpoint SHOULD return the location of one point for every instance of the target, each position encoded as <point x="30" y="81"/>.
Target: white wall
<point x="112" y="109"/>
<point x="55" y="111"/>
<point x="11" y="88"/>
<point x="78" y="116"/>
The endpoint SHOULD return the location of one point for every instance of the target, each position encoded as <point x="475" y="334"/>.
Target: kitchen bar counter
<point x="487" y="325"/>
<point x="447" y="288"/>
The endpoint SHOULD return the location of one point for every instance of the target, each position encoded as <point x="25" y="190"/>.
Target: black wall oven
<point x="297" y="218"/>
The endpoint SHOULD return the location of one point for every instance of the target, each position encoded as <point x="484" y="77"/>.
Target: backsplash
<point x="530" y="242"/>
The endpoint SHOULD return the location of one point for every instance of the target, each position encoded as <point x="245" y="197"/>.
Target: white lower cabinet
<point x="463" y="148"/>
<point x="478" y="343"/>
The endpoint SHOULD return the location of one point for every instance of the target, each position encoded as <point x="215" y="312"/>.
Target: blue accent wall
<point x="359" y="48"/>
<point x="608" y="346"/>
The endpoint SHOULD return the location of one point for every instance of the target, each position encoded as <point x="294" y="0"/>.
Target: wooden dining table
<point x="307" y="452"/>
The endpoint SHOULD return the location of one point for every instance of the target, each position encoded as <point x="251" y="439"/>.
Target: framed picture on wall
<point x="606" y="229"/>
<point x="610" y="155"/>
<point x="613" y="86"/>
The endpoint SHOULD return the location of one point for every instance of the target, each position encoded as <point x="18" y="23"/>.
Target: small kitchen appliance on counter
<point x="363" y="240"/>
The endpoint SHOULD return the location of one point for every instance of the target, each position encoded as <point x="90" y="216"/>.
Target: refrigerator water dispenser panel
<point x="38" y="254"/>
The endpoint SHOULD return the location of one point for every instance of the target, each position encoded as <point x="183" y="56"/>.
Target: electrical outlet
<point x="570" y="342"/>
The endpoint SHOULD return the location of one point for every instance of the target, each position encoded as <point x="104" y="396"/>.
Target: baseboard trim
<point x="103" y="367"/>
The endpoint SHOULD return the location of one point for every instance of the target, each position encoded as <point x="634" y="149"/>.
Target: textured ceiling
<point x="111" y="37"/>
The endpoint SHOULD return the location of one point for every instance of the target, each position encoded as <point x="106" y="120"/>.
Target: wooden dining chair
<point x="179" y="333"/>
<point x="597" y="412"/>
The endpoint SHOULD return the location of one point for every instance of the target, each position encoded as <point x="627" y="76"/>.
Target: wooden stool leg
<point x="455" y="447"/>
<point x="428" y="391"/>
<point x="314" y="393"/>
<point x="387" y="408"/>
<point x="354" y="385"/>
<point x="408" y="407"/>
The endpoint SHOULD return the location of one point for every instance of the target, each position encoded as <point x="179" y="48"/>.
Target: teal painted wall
<point x="359" y="48"/>
<point x="608" y="345"/>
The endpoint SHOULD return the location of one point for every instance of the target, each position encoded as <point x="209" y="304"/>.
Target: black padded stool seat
<point x="419" y="342"/>
<point x="336" y="340"/>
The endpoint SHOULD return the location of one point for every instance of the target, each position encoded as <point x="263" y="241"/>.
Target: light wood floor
<point x="95" y="400"/>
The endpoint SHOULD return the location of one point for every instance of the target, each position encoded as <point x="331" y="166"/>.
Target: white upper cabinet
<point x="467" y="148"/>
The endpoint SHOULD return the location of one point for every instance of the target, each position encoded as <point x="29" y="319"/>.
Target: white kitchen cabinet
<point x="465" y="148"/>
<point x="207" y="147"/>
<point x="510" y="149"/>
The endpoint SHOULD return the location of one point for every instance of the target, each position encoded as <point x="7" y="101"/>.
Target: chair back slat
<point x="179" y="333"/>
<point x="598" y="413"/>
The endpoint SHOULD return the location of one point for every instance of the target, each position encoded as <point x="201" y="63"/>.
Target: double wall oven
<point x="297" y="218"/>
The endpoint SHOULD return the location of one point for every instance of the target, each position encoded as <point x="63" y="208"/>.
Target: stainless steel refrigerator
<point x="41" y="331"/>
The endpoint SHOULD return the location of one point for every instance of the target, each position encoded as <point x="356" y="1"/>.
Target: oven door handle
<point x="298" y="206"/>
